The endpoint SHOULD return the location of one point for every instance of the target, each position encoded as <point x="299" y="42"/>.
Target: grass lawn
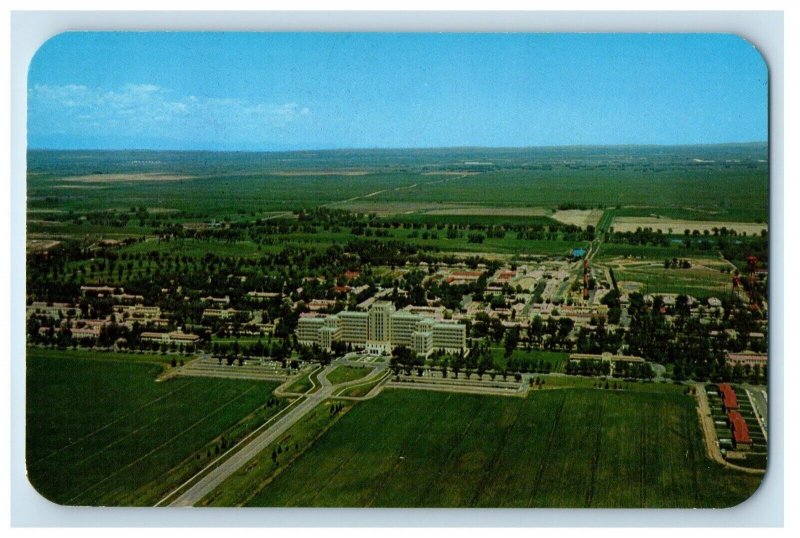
<point x="251" y="479"/>
<point x="556" y="358"/>
<point x="556" y="448"/>
<point x="360" y="390"/>
<point x="343" y="374"/>
<point x="101" y="431"/>
<point x="112" y="356"/>
<point x="304" y="383"/>
<point x="610" y="251"/>
<point x="697" y="282"/>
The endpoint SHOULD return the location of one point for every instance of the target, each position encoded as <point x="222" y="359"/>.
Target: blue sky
<point x="261" y="91"/>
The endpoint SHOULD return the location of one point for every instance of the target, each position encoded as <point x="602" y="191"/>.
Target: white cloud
<point x="148" y="108"/>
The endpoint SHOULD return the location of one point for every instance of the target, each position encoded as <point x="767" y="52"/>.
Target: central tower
<point x="379" y="336"/>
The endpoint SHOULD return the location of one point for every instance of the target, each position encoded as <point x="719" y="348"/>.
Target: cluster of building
<point x="736" y="422"/>
<point x="381" y="328"/>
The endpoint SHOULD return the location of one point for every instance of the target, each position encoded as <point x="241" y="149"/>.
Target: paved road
<point x="205" y="485"/>
<point x="758" y="401"/>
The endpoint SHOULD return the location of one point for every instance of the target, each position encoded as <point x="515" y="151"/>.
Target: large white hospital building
<point x="381" y="328"/>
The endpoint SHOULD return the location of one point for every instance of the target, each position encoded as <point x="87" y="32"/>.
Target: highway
<point x="215" y="477"/>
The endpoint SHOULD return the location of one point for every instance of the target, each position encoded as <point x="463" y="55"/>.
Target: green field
<point x="100" y="431"/>
<point x="739" y="214"/>
<point x="697" y="282"/>
<point x="306" y="382"/>
<point x="98" y="355"/>
<point x="488" y="219"/>
<point x="239" y="185"/>
<point x="362" y="389"/>
<point x="738" y="193"/>
<point x="252" y="478"/>
<point x="343" y="374"/>
<point x="610" y="251"/>
<point x="556" y="358"/>
<point x="557" y="448"/>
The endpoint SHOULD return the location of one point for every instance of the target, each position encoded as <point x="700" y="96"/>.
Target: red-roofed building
<point x="463" y="277"/>
<point x="352" y="275"/>
<point x="505" y="275"/>
<point x="467" y="275"/>
<point x="741" y="433"/>
<point x="729" y="401"/>
<point x="753" y="359"/>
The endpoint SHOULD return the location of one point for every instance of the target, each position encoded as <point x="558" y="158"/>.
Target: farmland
<point x="234" y="185"/>
<point x="678" y="226"/>
<point x="102" y="432"/>
<point x="557" y="448"/>
<point x="706" y="277"/>
<point x="699" y="282"/>
<point x="144" y="259"/>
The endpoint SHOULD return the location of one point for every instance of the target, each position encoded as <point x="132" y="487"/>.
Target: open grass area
<point x="99" y="355"/>
<point x="343" y="374"/>
<point x="101" y="431"/>
<point x="195" y="248"/>
<point x="496" y="217"/>
<point x="741" y="214"/>
<point x="253" y="478"/>
<point x="609" y="251"/>
<point x="556" y="448"/>
<point x="577" y="381"/>
<point x="363" y="389"/>
<point x="304" y="382"/>
<point x="557" y="359"/>
<point x="698" y="282"/>
<point x="257" y="184"/>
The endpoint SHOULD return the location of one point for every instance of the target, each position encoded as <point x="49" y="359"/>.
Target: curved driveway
<point x="215" y="477"/>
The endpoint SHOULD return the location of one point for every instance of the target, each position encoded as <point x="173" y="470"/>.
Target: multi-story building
<point x="422" y="342"/>
<point x="330" y="332"/>
<point x="403" y="326"/>
<point x="308" y="328"/>
<point x="449" y="336"/>
<point x="354" y="327"/>
<point x="380" y="329"/>
<point x="380" y="321"/>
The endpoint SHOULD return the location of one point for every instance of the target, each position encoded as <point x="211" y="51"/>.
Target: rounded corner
<point x="37" y="489"/>
<point x="44" y="45"/>
<point x="753" y="494"/>
<point x="750" y="43"/>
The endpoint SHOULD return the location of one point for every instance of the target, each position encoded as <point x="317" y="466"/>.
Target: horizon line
<point x="410" y="148"/>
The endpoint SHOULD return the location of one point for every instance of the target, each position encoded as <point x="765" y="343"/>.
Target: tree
<point x="484" y="362"/>
<point x="512" y="339"/>
<point x="535" y="330"/>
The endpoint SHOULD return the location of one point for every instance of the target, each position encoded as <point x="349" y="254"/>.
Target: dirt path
<point x="405" y="187"/>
